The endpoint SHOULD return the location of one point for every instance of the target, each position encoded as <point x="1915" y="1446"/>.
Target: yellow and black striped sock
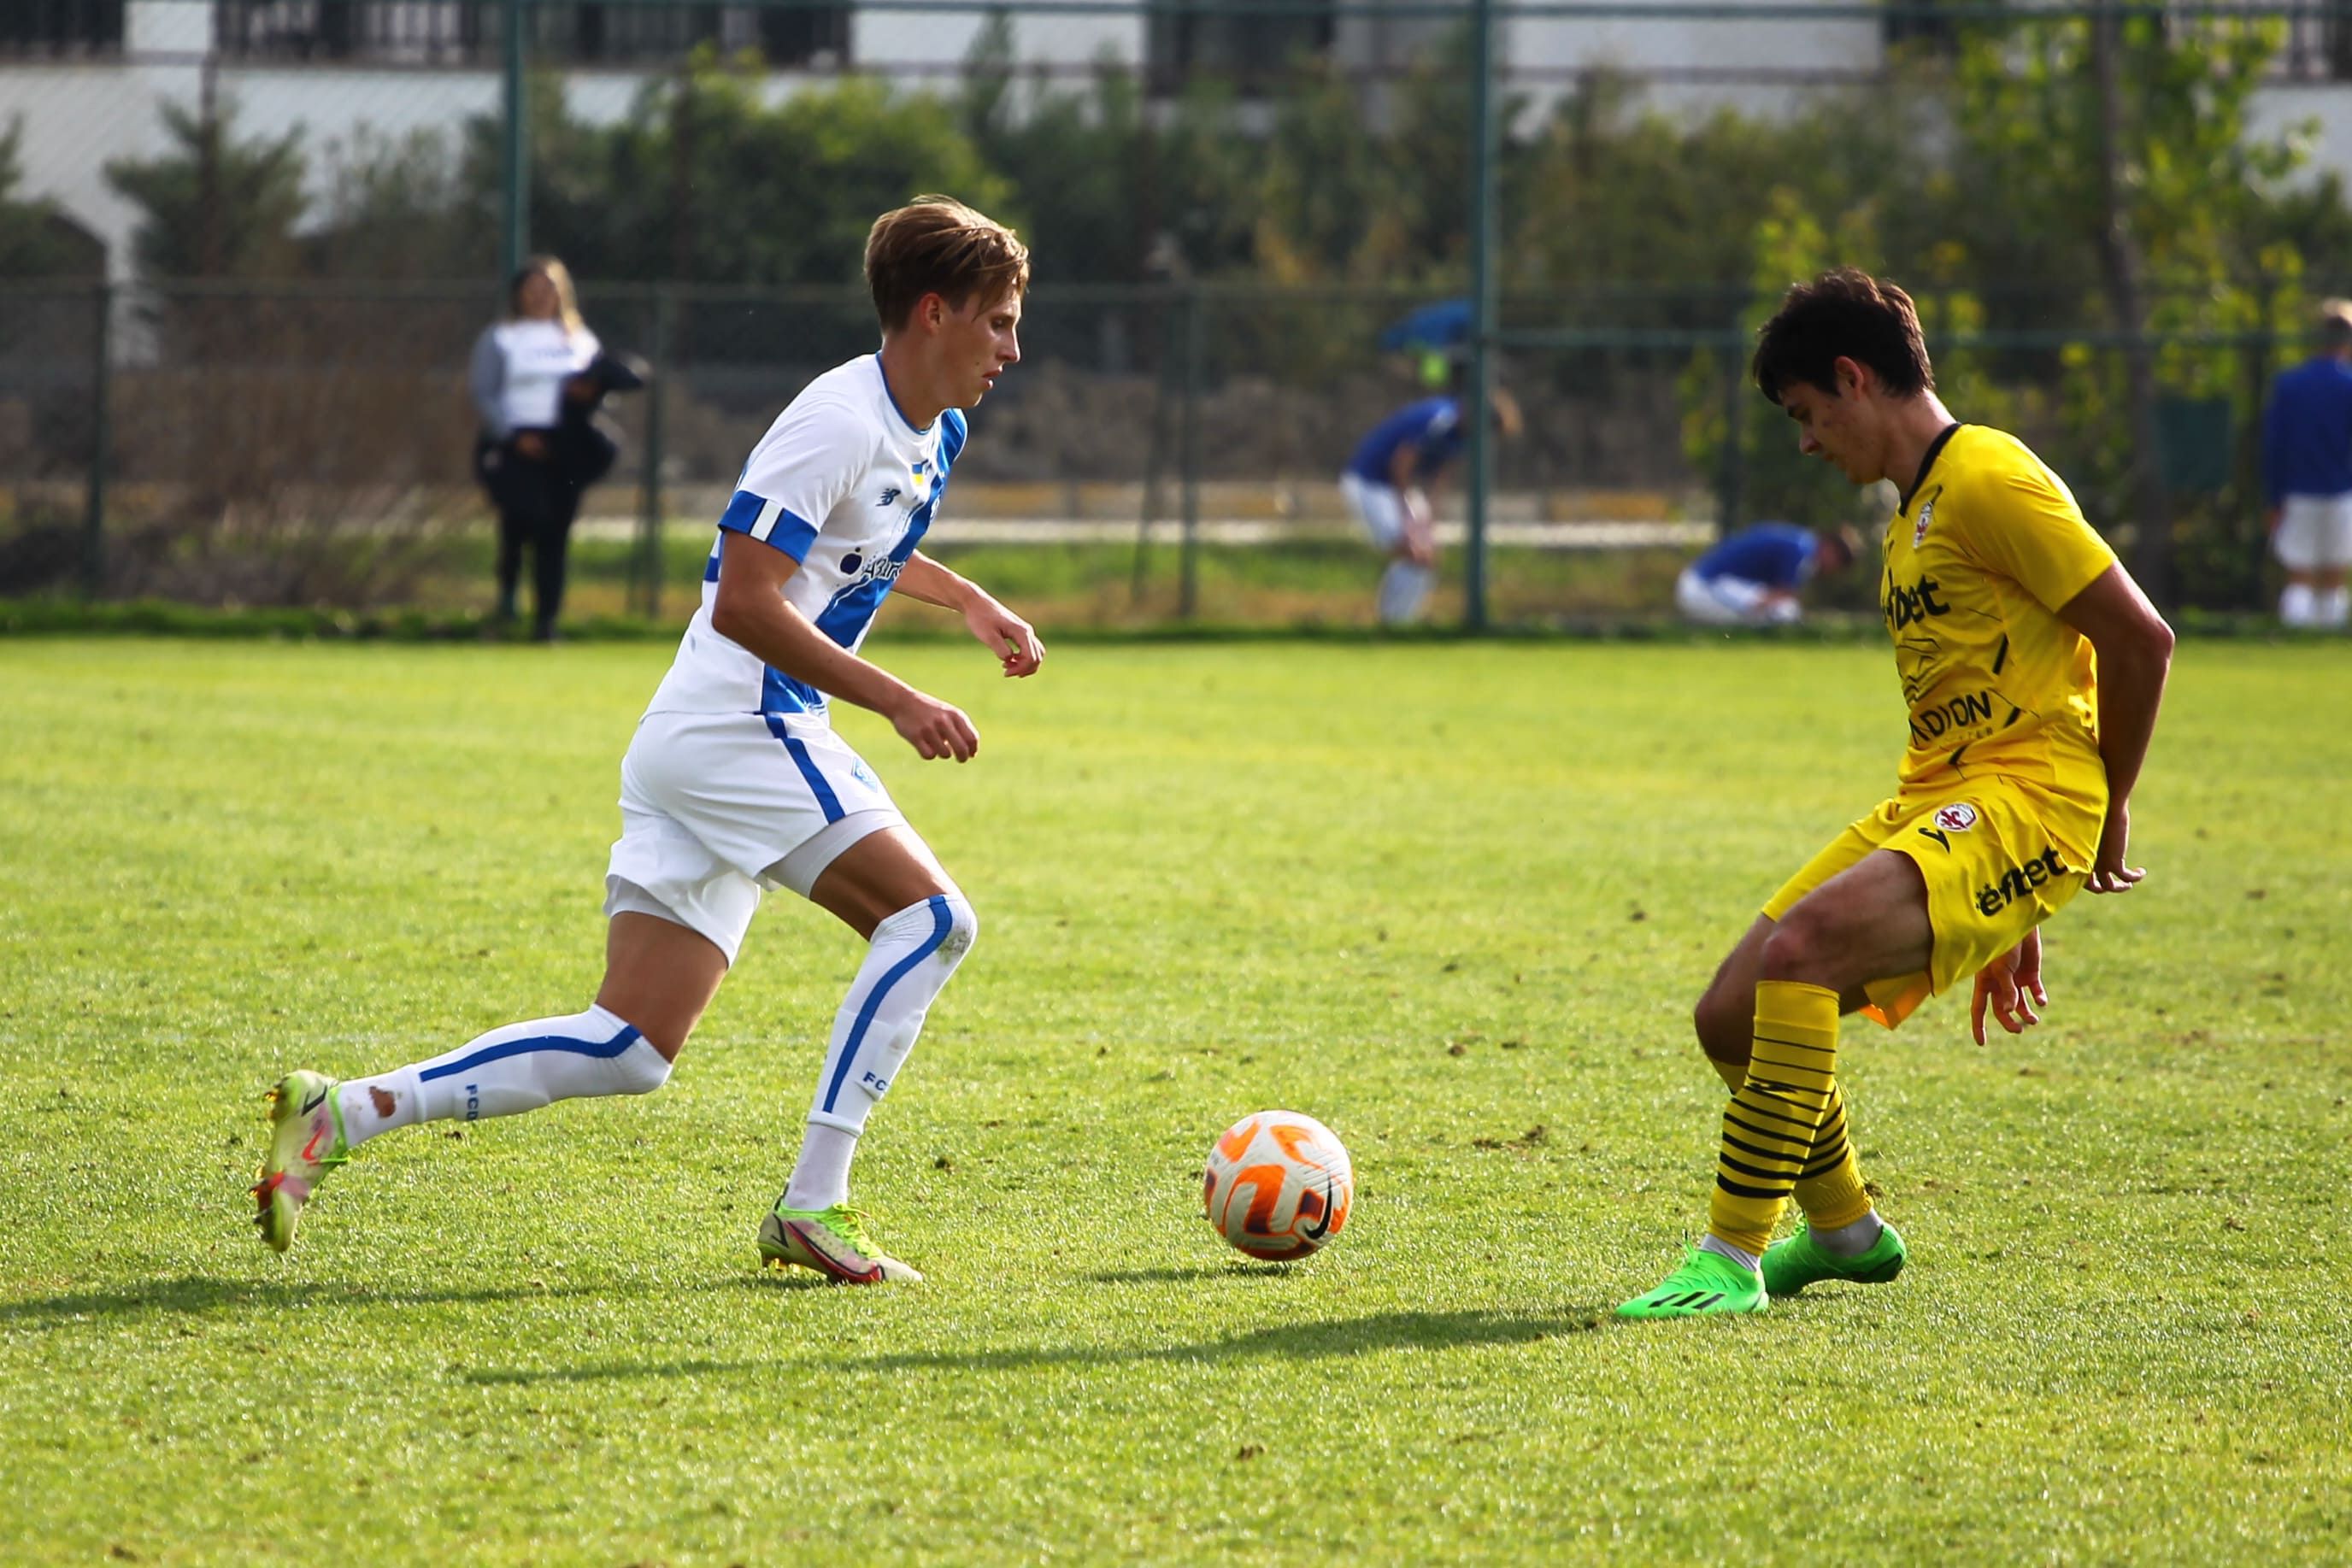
<point x="1769" y="1128"/>
<point x="1830" y="1187"/>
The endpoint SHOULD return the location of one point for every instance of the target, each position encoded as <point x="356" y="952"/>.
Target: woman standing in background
<point x="521" y="373"/>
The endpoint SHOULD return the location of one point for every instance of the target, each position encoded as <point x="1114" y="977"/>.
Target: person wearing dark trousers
<point x="522" y="375"/>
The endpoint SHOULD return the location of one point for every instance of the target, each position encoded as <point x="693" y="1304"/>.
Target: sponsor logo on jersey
<point x="2019" y="881"/>
<point x="1907" y="604"/>
<point x="851" y="562"/>
<point x="1931" y="725"/>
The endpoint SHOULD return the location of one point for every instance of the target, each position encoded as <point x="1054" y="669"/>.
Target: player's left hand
<point x="2011" y="985"/>
<point x="1012" y="639"/>
<point x="2108" y="872"/>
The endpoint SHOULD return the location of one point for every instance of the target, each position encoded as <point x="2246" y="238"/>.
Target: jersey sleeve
<point x="2021" y="522"/>
<point x="798" y="473"/>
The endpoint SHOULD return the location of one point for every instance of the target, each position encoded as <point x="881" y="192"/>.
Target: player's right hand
<point x="934" y="728"/>
<point x="2108" y="872"/>
<point x="2011" y="985"/>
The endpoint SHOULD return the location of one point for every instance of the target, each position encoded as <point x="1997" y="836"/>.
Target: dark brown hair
<point x="1842" y="314"/>
<point x="936" y="245"/>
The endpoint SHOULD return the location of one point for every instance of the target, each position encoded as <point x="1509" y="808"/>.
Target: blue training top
<point x="1777" y="555"/>
<point x="1432" y="426"/>
<point x="2307" y="434"/>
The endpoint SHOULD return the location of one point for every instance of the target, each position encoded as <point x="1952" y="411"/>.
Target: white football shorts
<point x="1729" y="600"/>
<point x="715" y="808"/>
<point x="1378" y="506"/>
<point x="2315" y="533"/>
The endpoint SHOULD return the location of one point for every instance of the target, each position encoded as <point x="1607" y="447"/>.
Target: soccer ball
<point x="1278" y="1185"/>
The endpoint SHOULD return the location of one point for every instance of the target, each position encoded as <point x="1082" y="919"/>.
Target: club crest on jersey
<point x="1956" y="818"/>
<point x="1919" y="529"/>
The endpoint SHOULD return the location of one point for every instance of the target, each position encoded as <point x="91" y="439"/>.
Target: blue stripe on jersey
<point x="711" y="567"/>
<point x="567" y="1043"/>
<point x="940" y="922"/>
<point x="779" y="692"/>
<point x="792" y="534"/>
<point x="826" y="800"/>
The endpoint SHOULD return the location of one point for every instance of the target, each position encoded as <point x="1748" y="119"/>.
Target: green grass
<point x="1454" y="900"/>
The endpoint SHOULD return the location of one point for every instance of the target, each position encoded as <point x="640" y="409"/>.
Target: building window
<point x="802" y="35"/>
<point x="468" y="32"/>
<point x="61" y="28"/>
<point x="402" y="32"/>
<point x="1252" y="51"/>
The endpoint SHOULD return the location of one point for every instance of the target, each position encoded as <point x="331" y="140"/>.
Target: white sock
<point x="1404" y="588"/>
<point x="2332" y="608"/>
<point x="912" y="955"/>
<point x="1739" y="1254"/>
<point x="1850" y="1240"/>
<point x="2296" y="603"/>
<point x="518" y="1067"/>
<point x="821" y="1176"/>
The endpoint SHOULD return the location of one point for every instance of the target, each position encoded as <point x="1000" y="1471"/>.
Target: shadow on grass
<point x="193" y="1294"/>
<point x="1311" y="1341"/>
<point x="1191" y="1273"/>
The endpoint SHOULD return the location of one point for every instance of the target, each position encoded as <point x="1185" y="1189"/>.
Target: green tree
<point x="216" y="205"/>
<point x="36" y="239"/>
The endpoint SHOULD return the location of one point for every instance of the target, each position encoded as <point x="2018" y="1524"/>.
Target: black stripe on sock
<point x="1786" y="1157"/>
<point x="1724" y="1162"/>
<point x="1798" y="1045"/>
<point x="1769" y="1195"/>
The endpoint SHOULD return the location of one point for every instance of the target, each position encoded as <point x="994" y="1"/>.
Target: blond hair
<point x="558" y="277"/>
<point x="936" y="245"/>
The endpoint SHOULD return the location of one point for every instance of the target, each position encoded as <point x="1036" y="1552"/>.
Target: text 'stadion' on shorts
<point x="1999" y="858"/>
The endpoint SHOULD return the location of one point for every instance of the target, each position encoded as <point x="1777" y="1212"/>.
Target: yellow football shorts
<point x="1999" y="858"/>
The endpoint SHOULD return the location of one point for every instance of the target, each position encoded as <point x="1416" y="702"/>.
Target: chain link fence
<point x="246" y="247"/>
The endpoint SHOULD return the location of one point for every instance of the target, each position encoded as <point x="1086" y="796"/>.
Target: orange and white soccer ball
<point x="1278" y="1185"/>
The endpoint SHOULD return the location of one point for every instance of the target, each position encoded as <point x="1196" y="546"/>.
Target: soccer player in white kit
<point x="736" y="783"/>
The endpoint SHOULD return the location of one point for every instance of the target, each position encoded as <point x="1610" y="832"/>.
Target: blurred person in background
<point x="1753" y="576"/>
<point x="522" y="369"/>
<point x="2307" y="470"/>
<point x="1390" y="482"/>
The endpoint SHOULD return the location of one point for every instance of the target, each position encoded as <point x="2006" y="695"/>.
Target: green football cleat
<point x="1706" y="1283"/>
<point x="833" y="1242"/>
<point x="1789" y="1266"/>
<point x="306" y="1141"/>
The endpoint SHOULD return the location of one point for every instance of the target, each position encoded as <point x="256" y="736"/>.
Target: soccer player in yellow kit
<point x="2033" y="666"/>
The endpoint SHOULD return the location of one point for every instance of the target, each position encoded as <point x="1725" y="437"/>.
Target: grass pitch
<point x="1453" y="900"/>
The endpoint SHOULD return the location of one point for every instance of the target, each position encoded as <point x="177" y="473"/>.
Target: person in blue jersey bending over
<point x="1753" y="576"/>
<point x="735" y="782"/>
<point x="1389" y="483"/>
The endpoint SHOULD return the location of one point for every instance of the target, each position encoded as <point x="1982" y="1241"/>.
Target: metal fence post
<point x="1480" y="455"/>
<point x="1188" y="440"/>
<point x="515" y="146"/>
<point x="649" y="507"/>
<point x="101" y="405"/>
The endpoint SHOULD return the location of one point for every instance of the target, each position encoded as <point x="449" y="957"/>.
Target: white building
<point x="85" y="77"/>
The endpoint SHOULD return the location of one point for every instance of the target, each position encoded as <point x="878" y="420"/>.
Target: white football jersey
<point x="845" y="487"/>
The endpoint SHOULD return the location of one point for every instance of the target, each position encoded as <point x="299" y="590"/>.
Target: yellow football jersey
<point x="1979" y="560"/>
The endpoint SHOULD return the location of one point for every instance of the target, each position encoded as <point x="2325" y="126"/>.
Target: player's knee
<point x="963" y="928"/>
<point x="1798" y="949"/>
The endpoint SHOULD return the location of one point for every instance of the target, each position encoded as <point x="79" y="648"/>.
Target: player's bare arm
<point x="751" y="610"/>
<point x="2135" y="649"/>
<point x="2011" y="987"/>
<point x="1012" y="639"/>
